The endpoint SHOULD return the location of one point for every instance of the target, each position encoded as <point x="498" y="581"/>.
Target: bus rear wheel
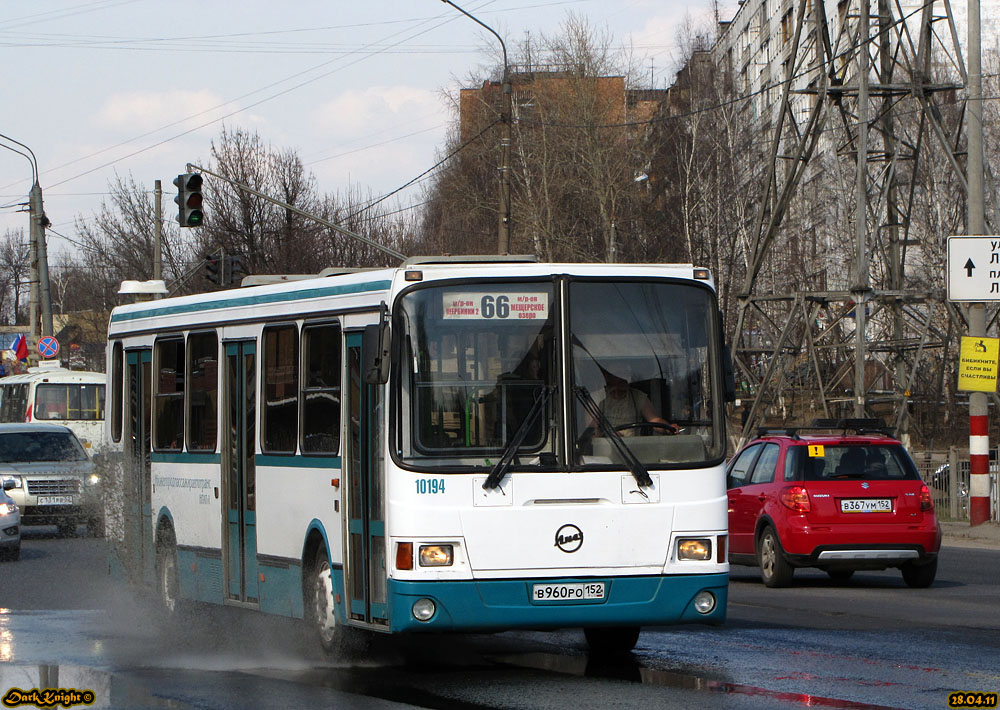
<point x="611" y="640"/>
<point x="167" y="581"/>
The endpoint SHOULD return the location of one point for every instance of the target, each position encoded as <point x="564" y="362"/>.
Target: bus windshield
<point x="78" y="402"/>
<point x="477" y="356"/>
<point x="643" y="352"/>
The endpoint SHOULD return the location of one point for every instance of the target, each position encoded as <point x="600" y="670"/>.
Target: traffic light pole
<point x="325" y="222"/>
<point x="157" y="231"/>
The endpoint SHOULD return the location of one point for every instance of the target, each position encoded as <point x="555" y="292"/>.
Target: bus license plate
<point x="866" y="505"/>
<point x="55" y="500"/>
<point x="568" y="592"/>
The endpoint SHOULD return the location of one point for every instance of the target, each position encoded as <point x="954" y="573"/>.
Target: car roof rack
<point x="856" y="425"/>
<point x="791" y="431"/>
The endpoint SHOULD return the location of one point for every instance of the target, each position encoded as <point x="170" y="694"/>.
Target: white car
<point x="53" y="479"/>
<point x="10" y="525"/>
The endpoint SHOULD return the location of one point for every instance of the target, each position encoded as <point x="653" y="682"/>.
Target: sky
<point x="99" y="89"/>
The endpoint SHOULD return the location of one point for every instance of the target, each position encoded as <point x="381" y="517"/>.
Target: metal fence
<point x="946" y="474"/>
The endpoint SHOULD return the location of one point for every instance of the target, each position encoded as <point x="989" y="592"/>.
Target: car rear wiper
<point x="639" y="471"/>
<point x="500" y="469"/>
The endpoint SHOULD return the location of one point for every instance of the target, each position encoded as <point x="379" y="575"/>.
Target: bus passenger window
<point x="168" y="415"/>
<point x="281" y="389"/>
<point x="203" y="391"/>
<point x="117" y="385"/>
<point x="321" y="389"/>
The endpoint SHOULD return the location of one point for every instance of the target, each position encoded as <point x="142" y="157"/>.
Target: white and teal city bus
<point x="431" y="447"/>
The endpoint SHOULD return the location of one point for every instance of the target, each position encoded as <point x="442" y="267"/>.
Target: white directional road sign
<point x="974" y="268"/>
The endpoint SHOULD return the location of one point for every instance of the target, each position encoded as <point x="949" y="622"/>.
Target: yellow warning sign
<point x="977" y="364"/>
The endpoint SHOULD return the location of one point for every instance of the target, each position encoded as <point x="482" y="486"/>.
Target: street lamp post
<point x="39" y="253"/>
<point x="506" y="118"/>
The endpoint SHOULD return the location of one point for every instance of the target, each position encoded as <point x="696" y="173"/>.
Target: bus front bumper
<point x="497" y="605"/>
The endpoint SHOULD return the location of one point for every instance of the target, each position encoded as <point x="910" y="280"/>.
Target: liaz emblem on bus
<point x="516" y="305"/>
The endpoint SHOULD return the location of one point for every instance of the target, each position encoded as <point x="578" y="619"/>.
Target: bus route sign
<point x="48" y="347"/>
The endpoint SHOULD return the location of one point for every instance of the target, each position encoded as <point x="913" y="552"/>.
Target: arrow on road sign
<point x="969" y="266"/>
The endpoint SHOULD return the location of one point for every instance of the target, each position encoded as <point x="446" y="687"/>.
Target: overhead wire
<point x="425" y="172"/>
<point x="243" y="108"/>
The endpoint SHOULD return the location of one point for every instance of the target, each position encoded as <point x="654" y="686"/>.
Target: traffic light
<point x="212" y="268"/>
<point x="235" y="272"/>
<point x="189" y="200"/>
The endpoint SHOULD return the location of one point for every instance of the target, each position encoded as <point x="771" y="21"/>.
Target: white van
<point x="50" y="393"/>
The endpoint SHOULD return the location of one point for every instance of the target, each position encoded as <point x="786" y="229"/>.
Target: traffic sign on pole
<point x="48" y="347"/>
<point x="974" y="269"/>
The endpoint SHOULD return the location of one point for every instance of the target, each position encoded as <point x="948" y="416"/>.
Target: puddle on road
<point x="629" y="669"/>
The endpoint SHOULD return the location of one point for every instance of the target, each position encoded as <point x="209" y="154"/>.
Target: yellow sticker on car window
<point x="816" y="450"/>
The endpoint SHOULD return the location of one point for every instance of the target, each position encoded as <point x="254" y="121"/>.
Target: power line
<point x="448" y="16"/>
<point x="433" y="167"/>
<point x="375" y="145"/>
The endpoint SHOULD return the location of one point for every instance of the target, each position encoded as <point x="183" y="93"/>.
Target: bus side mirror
<point x="375" y="346"/>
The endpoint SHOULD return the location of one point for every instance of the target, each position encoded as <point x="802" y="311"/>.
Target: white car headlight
<point x="15" y="479"/>
<point x="8" y="508"/>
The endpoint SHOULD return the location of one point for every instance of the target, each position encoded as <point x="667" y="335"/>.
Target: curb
<point x="961" y="534"/>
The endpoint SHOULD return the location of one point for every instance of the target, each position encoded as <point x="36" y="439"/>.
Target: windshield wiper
<point x="639" y="471"/>
<point x="500" y="469"/>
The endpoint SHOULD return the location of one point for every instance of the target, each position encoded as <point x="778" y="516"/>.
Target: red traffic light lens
<point x="194" y="201"/>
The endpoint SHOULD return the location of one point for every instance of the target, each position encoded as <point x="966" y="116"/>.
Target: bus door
<point x="365" y="572"/>
<point x="139" y="555"/>
<point x="239" y="472"/>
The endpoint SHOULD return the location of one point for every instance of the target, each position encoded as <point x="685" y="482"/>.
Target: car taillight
<point x="926" y="502"/>
<point x="796" y="498"/>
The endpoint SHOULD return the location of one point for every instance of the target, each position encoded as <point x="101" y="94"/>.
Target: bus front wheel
<point x="611" y="640"/>
<point x="334" y="637"/>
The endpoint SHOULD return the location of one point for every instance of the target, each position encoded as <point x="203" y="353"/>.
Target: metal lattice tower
<point x="868" y="95"/>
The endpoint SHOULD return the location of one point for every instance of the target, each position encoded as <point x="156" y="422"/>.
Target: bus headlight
<point x="423" y="609"/>
<point x="437" y="555"/>
<point x="704" y="602"/>
<point x="93" y="479"/>
<point x="691" y="548"/>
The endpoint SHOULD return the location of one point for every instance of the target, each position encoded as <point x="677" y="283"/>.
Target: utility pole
<point x="979" y="426"/>
<point x="507" y="119"/>
<point x="33" y="285"/>
<point x="38" y="224"/>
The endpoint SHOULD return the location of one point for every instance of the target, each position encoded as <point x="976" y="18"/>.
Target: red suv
<point x="820" y="497"/>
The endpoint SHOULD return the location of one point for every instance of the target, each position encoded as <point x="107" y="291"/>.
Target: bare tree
<point x="117" y="244"/>
<point x="575" y="156"/>
<point x="14" y="273"/>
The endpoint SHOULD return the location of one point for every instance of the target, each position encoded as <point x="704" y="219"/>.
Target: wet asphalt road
<point x="870" y="642"/>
